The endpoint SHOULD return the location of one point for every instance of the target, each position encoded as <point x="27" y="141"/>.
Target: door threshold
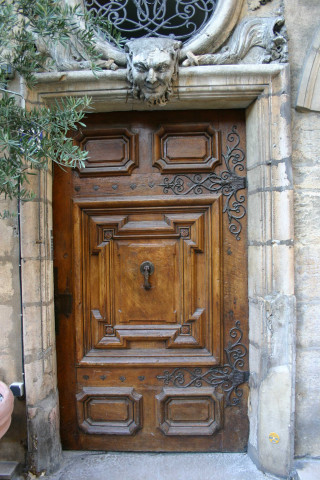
<point x="83" y="465"/>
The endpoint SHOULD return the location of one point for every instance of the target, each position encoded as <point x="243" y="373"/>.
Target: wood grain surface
<point x="127" y="325"/>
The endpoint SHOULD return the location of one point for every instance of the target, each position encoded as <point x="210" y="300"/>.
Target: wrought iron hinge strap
<point x="227" y="378"/>
<point x="228" y="182"/>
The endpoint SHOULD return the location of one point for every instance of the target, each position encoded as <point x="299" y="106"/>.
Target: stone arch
<point x="309" y="90"/>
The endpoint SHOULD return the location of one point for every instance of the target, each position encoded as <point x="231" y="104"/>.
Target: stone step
<point x="308" y="470"/>
<point x="8" y="470"/>
<point x="156" y="466"/>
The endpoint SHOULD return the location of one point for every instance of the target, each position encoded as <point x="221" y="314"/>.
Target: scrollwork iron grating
<point x="227" y="378"/>
<point x="180" y="19"/>
<point x="228" y="182"/>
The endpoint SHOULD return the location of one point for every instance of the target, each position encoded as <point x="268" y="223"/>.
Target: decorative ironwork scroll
<point x="228" y="182"/>
<point x="227" y="378"/>
<point x="157" y="18"/>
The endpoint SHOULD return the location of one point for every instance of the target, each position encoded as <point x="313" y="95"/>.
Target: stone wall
<point x="302" y="20"/>
<point x="44" y="449"/>
<point x="12" y="445"/>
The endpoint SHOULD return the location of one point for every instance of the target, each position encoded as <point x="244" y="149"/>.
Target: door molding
<point x="263" y="90"/>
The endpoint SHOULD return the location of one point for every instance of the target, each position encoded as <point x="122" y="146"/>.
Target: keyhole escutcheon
<point x="147" y="269"/>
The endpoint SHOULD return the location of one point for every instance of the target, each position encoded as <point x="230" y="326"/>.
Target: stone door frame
<point x="263" y="90"/>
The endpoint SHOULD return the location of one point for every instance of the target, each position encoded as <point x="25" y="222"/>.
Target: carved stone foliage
<point x="255" y="4"/>
<point x="255" y="40"/>
<point x="153" y="61"/>
<point x="309" y="89"/>
<point x="72" y="56"/>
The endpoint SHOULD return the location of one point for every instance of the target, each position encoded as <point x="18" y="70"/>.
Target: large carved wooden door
<point x="151" y="284"/>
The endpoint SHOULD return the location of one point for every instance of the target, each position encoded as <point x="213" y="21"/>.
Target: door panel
<point x="147" y="242"/>
<point x="175" y="316"/>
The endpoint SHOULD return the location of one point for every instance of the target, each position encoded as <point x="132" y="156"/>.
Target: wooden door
<point x="151" y="284"/>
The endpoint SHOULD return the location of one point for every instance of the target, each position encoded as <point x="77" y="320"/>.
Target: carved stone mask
<point x="152" y="67"/>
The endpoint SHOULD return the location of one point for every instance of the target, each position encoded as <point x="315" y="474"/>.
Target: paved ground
<point x="158" y="466"/>
<point x="308" y="470"/>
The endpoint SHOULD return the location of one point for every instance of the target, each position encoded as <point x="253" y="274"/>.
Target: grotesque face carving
<point x="152" y="67"/>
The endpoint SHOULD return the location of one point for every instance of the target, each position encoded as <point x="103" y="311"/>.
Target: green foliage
<point x="29" y="140"/>
<point x="6" y="214"/>
<point x="22" y="21"/>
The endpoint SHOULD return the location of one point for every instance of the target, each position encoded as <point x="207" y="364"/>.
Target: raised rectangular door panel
<point x="109" y="411"/>
<point x="113" y="151"/>
<point x="192" y="411"/>
<point x="150" y="242"/>
<point x="186" y="148"/>
<point x="176" y="315"/>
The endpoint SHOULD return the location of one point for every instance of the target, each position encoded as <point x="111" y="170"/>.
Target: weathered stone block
<point x="257" y="176"/>
<point x="283" y="269"/>
<point x="32" y="317"/>
<point x="38" y="383"/>
<point x="282" y="205"/>
<point x="43" y="434"/>
<point x="306" y="134"/>
<point x="308" y="403"/>
<point x="6" y="318"/>
<point x="259" y="224"/>
<point x="257" y="152"/>
<point x="308" y="331"/>
<point x="280" y="311"/>
<point x="48" y="325"/>
<point x="10" y="345"/>
<point x="9" y="243"/>
<point x="275" y="417"/>
<point x="31" y="281"/>
<point x="256" y="311"/>
<point x="255" y="362"/>
<point x="257" y="279"/>
<point x="307" y="218"/>
<point x="280" y="134"/>
<point x="253" y="408"/>
<point x="282" y="173"/>
<point x="47" y="286"/>
<point x="302" y="18"/>
<point x="307" y="272"/>
<point x="30" y="230"/>
<point x="6" y="284"/>
<point x="307" y="178"/>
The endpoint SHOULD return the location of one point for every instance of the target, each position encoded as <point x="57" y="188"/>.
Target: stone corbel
<point x="255" y="40"/>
